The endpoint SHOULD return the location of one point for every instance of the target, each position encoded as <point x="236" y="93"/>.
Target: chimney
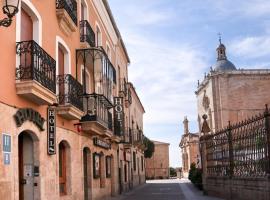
<point x="185" y="122"/>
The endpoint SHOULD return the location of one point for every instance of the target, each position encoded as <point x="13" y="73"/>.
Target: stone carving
<point x="206" y="101"/>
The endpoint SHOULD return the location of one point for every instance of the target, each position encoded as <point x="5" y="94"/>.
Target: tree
<point x="172" y="172"/>
<point x="149" y="146"/>
<point x="195" y="175"/>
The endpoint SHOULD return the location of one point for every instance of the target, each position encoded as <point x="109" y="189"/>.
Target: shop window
<point x="142" y="163"/>
<point x="108" y="166"/>
<point x="134" y="161"/>
<point x="125" y="172"/>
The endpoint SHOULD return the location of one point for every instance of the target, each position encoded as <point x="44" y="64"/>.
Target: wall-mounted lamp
<point x="10" y="9"/>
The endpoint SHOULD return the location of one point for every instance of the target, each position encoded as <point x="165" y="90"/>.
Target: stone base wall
<point x="238" y="189"/>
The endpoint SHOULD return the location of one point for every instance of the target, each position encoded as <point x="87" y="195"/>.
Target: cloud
<point x="251" y="47"/>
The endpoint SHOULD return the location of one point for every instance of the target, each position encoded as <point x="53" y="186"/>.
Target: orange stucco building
<point x="65" y="104"/>
<point x="158" y="166"/>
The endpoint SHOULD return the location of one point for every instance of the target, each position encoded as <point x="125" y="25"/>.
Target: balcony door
<point x="61" y="69"/>
<point x="26" y="35"/>
<point x="26" y="26"/>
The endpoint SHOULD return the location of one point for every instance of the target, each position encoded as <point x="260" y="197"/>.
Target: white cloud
<point x="251" y="47"/>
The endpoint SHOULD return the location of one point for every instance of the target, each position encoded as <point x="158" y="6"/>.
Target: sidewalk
<point x="191" y="192"/>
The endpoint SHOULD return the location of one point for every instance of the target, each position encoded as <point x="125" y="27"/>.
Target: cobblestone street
<point x="173" y="189"/>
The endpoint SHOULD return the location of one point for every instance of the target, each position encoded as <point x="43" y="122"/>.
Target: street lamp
<point x="10" y="9"/>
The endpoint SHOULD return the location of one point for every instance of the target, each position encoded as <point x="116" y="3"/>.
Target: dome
<point x="224" y="65"/>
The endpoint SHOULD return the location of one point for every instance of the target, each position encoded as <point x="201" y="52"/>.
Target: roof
<point x="224" y="65"/>
<point x="106" y="4"/>
<point x="133" y="88"/>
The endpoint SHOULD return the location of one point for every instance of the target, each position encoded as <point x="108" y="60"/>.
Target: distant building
<point x="230" y="94"/>
<point x="157" y="167"/>
<point x="189" y="149"/>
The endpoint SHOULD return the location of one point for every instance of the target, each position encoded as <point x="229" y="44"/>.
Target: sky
<point x="172" y="44"/>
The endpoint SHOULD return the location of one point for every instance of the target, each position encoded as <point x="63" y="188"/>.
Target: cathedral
<point x="231" y="94"/>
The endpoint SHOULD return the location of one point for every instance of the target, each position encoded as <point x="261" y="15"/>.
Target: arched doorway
<point x="87" y="173"/>
<point x="28" y="170"/>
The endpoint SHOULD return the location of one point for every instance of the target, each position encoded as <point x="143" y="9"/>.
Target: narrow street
<point x="173" y="189"/>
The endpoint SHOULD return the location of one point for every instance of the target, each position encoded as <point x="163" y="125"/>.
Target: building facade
<point x="63" y="69"/>
<point x="230" y="94"/>
<point x="189" y="145"/>
<point x="158" y="166"/>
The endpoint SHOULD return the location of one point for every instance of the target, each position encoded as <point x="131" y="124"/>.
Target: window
<point x="96" y="162"/>
<point x="98" y="36"/>
<point x="62" y="169"/>
<point x="142" y="163"/>
<point x="108" y="166"/>
<point x="134" y="161"/>
<point x="108" y="50"/>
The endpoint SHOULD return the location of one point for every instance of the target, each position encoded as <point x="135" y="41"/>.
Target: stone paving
<point x="172" y="189"/>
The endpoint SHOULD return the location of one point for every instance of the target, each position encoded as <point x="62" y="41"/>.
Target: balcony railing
<point x="70" y="91"/>
<point x="96" y="107"/>
<point x="36" y="64"/>
<point x="70" y="6"/>
<point x="123" y="86"/>
<point x="86" y="33"/>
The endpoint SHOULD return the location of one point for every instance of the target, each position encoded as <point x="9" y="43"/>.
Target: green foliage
<point x="195" y="176"/>
<point x="149" y="146"/>
<point x="172" y="172"/>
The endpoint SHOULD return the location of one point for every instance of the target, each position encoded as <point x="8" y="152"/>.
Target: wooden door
<point x="61" y="70"/>
<point x="62" y="169"/>
<point x="21" y="181"/>
<point x="26" y="26"/>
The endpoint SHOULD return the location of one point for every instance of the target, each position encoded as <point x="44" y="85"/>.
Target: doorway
<point x="27" y="169"/>
<point x="87" y="173"/>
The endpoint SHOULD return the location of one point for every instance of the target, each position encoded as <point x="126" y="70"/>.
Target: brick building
<point x="65" y="103"/>
<point x="158" y="166"/>
<point x="230" y="94"/>
<point x="189" y="145"/>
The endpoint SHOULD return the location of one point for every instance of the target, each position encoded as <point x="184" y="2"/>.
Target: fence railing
<point x="240" y="150"/>
<point x="70" y="91"/>
<point x="86" y="33"/>
<point x="36" y="64"/>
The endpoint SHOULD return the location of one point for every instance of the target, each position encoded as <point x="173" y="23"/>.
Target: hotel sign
<point x="118" y="116"/>
<point x="101" y="143"/>
<point x="25" y="114"/>
<point x="51" y="130"/>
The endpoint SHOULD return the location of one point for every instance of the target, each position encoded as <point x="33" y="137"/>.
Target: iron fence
<point x="86" y="33"/>
<point x="36" y="64"/>
<point x="70" y="6"/>
<point x="240" y="150"/>
<point x="70" y="91"/>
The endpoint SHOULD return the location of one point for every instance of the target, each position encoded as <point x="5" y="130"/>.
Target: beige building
<point x="189" y="149"/>
<point x="63" y="69"/>
<point x="158" y="166"/>
<point x="230" y="94"/>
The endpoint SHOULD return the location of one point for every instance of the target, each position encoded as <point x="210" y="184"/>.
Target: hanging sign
<point x="118" y="116"/>
<point x="24" y="114"/>
<point x="101" y="143"/>
<point x="51" y="130"/>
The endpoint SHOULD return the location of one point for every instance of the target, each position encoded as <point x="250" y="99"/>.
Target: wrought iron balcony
<point x="35" y="74"/>
<point x="123" y="87"/>
<point x="86" y="33"/>
<point x="95" y="59"/>
<point x="70" y="6"/>
<point x="127" y="137"/>
<point x="137" y="137"/>
<point x="69" y="97"/>
<point x="70" y="91"/>
<point x="97" y="108"/>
